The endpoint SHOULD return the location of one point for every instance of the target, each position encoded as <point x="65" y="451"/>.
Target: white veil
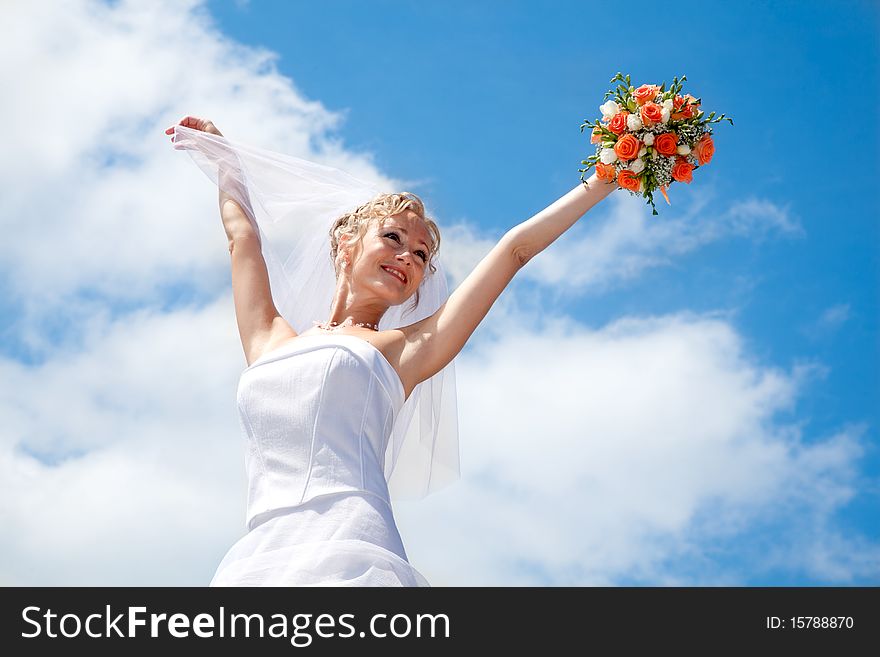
<point x="293" y="203"/>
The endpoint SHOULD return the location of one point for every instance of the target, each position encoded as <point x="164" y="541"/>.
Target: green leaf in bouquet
<point x="650" y="201"/>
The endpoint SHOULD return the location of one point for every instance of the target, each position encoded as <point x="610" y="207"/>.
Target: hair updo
<point x="355" y="224"/>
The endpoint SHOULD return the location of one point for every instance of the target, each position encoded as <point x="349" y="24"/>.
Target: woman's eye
<point x="421" y="254"/>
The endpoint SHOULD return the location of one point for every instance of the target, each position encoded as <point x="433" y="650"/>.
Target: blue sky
<point x="708" y="377"/>
<point x="484" y="100"/>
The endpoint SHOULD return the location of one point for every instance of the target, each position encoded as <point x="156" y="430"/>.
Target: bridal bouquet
<point x="649" y="137"/>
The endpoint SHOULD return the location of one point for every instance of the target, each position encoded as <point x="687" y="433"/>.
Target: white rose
<point x="684" y="149"/>
<point x="642" y="151"/>
<point x="637" y="165"/>
<point x="607" y="155"/>
<point x="667" y="104"/>
<point x="649" y="139"/>
<point x="609" y="109"/>
<point x="664" y="115"/>
<point x="633" y="122"/>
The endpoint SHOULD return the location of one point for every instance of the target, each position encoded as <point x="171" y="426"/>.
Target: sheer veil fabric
<point x="293" y="203"/>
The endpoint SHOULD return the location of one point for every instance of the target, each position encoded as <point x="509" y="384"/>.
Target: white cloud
<point x="120" y="439"/>
<point x="120" y="457"/>
<point x="620" y="241"/>
<point x="120" y="464"/>
<point x="831" y="319"/>
<point x="94" y="193"/>
<point x="595" y="457"/>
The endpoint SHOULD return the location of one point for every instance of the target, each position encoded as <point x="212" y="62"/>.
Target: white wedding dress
<point x="316" y="415"/>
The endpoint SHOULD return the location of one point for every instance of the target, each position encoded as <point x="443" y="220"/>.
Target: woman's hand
<point x="195" y="123"/>
<point x="235" y="220"/>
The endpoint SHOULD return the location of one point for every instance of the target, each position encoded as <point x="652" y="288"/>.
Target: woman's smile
<point x="397" y="273"/>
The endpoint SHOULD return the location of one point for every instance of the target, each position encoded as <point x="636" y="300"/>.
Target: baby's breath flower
<point x="689" y="133"/>
<point x="661" y="167"/>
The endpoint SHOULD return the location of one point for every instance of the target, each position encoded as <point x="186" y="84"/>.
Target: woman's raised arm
<point x="433" y="342"/>
<point x="260" y="325"/>
<point x="536" y="234"/>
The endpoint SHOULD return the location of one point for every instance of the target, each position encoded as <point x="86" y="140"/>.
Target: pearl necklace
<point x="332" y="326"/>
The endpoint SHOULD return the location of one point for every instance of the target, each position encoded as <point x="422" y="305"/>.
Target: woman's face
<point x="392" y="258"/>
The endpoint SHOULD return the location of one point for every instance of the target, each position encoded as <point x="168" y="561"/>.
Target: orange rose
<point x="627" y="147"/>
<point x="645" y="93"/>
<point x="605" y="172"/>
<point x="628" y="180"/>
<point x="682" y="170"/>
<point x="651" y="113"/>
<point x="618" y="123"/>
<point x="666" y="143"/>
<point x="682" y="108"/>
<point x="596" y="137"/>
<point x="704" y="149"/>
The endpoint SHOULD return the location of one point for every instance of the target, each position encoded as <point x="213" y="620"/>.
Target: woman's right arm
<point x="260" y="325"/>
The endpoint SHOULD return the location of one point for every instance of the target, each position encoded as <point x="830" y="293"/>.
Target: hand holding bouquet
<point x="649" y="137"/>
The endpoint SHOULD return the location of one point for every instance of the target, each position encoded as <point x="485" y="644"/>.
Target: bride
<point x="319" y="404"/>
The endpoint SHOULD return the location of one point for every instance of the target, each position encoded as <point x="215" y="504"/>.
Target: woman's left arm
<point x="534" y="235"/>
<point x="433" y="342"/>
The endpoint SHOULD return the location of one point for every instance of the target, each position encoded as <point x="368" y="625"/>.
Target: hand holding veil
<point x="293" y="203"/>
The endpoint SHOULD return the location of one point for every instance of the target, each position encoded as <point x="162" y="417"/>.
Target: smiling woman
<point x="384" y="213"/>
<point x="327" y="407"/>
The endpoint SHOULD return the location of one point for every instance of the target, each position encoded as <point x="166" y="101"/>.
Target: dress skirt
<point x="341" y="539"/>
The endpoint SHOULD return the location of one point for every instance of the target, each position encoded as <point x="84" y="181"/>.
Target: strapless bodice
<point x="316" y="414"/>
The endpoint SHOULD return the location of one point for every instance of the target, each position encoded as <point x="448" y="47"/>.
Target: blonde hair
<point x="354" y="224"/>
